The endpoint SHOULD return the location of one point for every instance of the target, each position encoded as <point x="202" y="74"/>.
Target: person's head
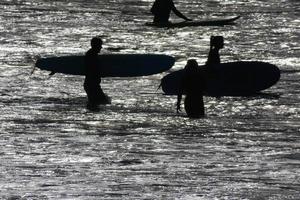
<point x="191" y="66"/>
<point x="96" y="43"/>
<point x="217" y="42"/>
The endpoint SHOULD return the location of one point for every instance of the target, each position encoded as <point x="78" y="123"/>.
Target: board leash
<point x="34" y="61"/>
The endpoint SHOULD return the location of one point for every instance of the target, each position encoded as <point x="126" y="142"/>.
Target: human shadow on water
<point x="65" y="104"/>
<point x="133" y="161"/>
<point x="261" y="95"/>
<point x="44" y="103"/>
<point x="74" y="101"/>
<point x="264" y="95"/>
<point x="290" y="71"/>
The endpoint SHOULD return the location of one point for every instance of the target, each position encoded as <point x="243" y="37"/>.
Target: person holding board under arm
<point x="192" y="85"/>
<point x="161" y="10"/>
<point x="93" y="76"/>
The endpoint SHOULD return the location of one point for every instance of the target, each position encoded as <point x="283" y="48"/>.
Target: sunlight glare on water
<point x="138" y="147"/>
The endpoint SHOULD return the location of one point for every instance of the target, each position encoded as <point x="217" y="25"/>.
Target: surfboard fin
<point x="52" y="73"/>
<point x="33" y="69"/>
<point x="34" y="59"/>
<point x="159" y="87"/>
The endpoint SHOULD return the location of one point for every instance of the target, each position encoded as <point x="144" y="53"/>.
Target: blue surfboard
<point x="112" y="65"/>
<point x="228" y="79"/>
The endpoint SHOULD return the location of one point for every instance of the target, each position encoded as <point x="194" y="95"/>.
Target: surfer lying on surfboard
<point x="161" y="9"/>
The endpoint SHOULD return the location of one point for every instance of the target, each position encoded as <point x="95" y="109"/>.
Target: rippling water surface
<point x="139" y="147"/>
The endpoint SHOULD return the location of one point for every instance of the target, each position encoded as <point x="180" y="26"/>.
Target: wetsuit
<point x="213" y="57"/>
<point x="161" y="10"/>
<point x="193" y="84"/>
<point x="93" y="79"/>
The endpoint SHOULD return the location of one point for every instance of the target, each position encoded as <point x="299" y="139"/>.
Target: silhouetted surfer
<point x="161" y="10"/>
<point x="93" y="76"/>
<point x="192" y="86"/>
<point x="216" y="43"/>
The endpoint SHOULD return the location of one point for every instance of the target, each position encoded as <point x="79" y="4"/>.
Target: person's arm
<point x="209" y="57"/>
<point x="179" y="14"/>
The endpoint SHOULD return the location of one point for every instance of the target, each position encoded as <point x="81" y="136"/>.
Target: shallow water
<point x="139" y="147"/>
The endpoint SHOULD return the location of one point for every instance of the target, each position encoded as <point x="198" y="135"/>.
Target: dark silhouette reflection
<point x="192" y="86"/>
<point x="264" y="95"/>
<point x="216" y="43"/>
<point x="93" y="76"/>
<point x="161" y="9"/>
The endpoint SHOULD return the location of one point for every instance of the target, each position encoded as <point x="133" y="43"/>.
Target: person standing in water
<point x="216" y="43"/>
<point x="92" y="79"/>
<point x="192" y="86"/>
<point x="161" y="9"/>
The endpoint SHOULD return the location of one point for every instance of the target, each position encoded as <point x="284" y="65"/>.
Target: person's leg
<point x="102" y="98"/>
<point x="92" y="103"/>
<point x="194" y="107"/>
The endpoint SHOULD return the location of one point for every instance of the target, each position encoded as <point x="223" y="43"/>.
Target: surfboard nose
<point x="112" y="65"/>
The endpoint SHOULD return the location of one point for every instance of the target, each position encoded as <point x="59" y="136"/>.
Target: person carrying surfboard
<point x="192" y="86"/>
<point x="92" y="79"/>
<point x="216" y="43"/>
<point x="161" y="9"/>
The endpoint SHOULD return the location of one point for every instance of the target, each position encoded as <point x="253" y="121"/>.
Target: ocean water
<point x="138" y="147"/>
